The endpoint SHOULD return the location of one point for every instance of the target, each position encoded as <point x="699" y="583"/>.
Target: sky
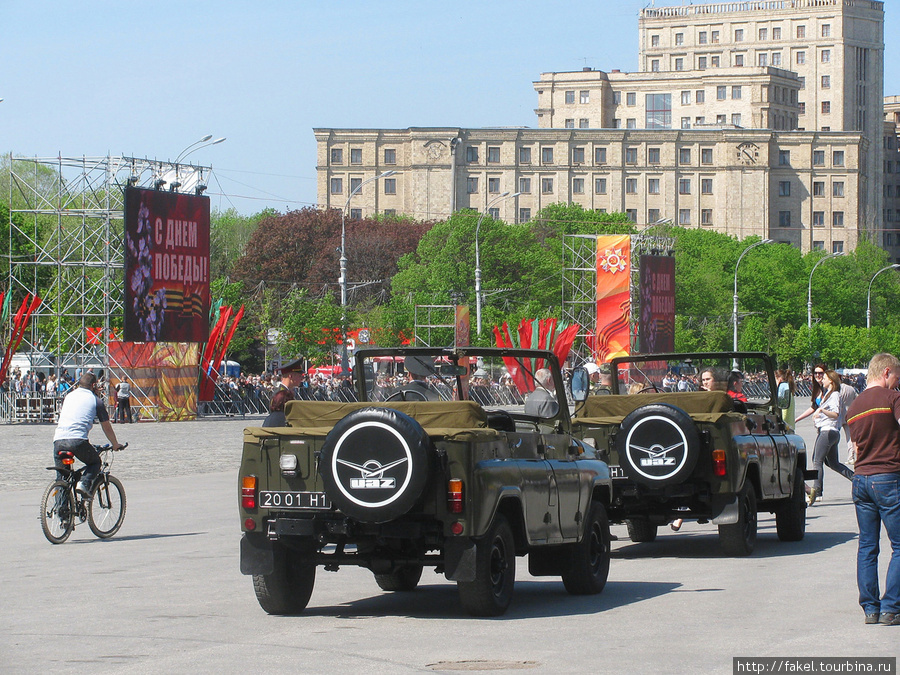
<point x="148" y="79"/>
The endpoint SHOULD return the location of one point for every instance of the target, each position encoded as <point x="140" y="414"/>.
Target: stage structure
<point x="579" y="287"/>
<point x="67" y="246"/>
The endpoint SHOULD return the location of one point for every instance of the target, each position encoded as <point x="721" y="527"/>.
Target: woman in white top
<point x="828" y="418"/>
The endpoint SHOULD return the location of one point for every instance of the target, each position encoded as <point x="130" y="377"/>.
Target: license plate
<point x="294" y="500"/>
<point x="616" y="471"/>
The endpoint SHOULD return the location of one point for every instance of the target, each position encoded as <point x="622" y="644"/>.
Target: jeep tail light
<point x="455" y="495"/>
<point x="248" y="492"/>
<point x="718" y="457"/>
<point x="68" y="461"/>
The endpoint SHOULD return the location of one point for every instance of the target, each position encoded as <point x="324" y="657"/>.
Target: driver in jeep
<point x="418" y="368"/>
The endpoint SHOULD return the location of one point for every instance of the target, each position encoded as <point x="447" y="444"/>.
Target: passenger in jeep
<point x="542" y="401"/>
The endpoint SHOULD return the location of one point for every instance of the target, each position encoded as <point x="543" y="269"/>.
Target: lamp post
<point x="498" y="198"/>
<point x="342" y="280"/>
<point x="809" y="297"/>
<point x="734" y="315"/>
<point x="869" y="295"/>
<point x="202" y="143"/>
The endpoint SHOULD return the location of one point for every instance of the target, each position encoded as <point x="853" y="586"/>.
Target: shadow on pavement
<point x="139" y="537"/>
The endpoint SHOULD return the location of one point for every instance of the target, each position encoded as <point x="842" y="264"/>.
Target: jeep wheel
<point x="375" y="463"/>
<point x="641" y="530"/>
<point x="403" y="579"/>
<point x="288" y="588"/>
<point x="590" y="557"/>
<point x="658" y="445"/>
<point x="790" y="516"/>
<point x="740" y="538"/>
<point x="490" y="593"/>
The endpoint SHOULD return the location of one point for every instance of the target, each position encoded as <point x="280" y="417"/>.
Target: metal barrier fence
<point x="15" y="407"/>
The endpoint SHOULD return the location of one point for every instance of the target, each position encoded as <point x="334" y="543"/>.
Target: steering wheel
<point x="398" y="395"/>
<point x="652" y="387"/>
<point x="407" y="395"/>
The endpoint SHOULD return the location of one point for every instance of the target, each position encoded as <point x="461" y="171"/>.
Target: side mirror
<point x="580" y="384"/>
<point x="784" y="397"/>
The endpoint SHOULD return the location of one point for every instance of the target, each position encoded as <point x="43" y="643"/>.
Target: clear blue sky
<point x="148" y="79"/>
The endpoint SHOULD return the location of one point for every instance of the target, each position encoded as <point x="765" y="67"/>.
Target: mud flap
<point x="459" y="559"/>
<point x="730" y="513"/>
<point x="256" y="555"/>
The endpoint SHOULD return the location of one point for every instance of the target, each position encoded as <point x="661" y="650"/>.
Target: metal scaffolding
<point x="66" y="244"/>
<point x="579" y="285"/>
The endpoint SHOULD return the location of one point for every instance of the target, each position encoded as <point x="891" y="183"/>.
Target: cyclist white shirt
<point x="76" y="417"/>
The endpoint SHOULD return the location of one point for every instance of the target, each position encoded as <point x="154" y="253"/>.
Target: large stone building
<point x="722" y="128"/>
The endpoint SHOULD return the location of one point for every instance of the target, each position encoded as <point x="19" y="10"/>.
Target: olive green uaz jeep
<point x="460" y="460"/>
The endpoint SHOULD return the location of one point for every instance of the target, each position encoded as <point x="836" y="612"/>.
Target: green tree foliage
<point x="229" y="235"/>
<point x="309" y="326"/>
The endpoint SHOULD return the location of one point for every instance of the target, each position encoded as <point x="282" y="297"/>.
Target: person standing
<point x="784" y="378"/>
<point x="828" y="418"/>
<point x="874" y="421"/>
<point x="123" y="401"/>
<point x="848" y="395"/>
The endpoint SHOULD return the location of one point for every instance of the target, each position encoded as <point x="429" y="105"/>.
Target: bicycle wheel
<point x="57" y="512"/>
<point x="107" y="509"/>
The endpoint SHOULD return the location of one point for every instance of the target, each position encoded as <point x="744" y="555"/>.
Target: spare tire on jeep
<point x="375" y="463"/>
<point x="658" y="445"/>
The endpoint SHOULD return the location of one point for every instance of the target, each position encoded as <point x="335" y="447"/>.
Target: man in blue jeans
<point x="874" y="420"/>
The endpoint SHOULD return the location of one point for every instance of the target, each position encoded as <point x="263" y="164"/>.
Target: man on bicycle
<point x="76" y="418"/>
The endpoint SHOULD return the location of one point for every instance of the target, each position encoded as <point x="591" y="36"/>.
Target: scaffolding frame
<point x="75" y="224"/>
<point x="579" y="284"/>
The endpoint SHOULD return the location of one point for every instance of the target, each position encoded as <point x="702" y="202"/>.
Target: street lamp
<point x="809" y="297"/>
<point x="202" y="143"/>
<point x="496" y="199"/>
<point x="869" y="296"/>
<point x="734" y="315"/>
<point x="342" y="280"/>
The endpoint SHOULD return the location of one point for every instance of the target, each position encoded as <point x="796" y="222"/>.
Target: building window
<point x="784" y="158"/>
<point x="736" y="119"/>
<point x="826" y="56"/>
<point x="524" y="155"/>
<point x="471" y="185"/>
<point x="653" y="216"/>
<point x="721" y="119"/>
<point x="524" y="215"/>
<point x="631" y="123"/>
<point x="802" y="108"/>
<point x="784" y="188"/>
<point x="801" y="32"/>
<point x="355" y="184"/>
<point x="818" y="245"/>
<point x="685" y="122"/>
<point x="617" y="97"/>
<point x="714" y="37"/>
<point x="802" y="81"/>
<point x="390" y="156"/>
<point x="494" y="213"/>
<point x="763" y="60"/>
<point x="776" y="33"/>
<point x="784" y="218"/>
<point x="837" y="158"/>
<point x="356" y="155"/>
<point x="570" y="123"/>
<point x="547" y="185"/>
<point x="493" y="185"/>
<point x="818" y="188"/>
<point x="826" y="107"/>
<point x="837" y="247"/>
<point x="471" y="154"/>
<point x="631" y="155"/>
<point x="631" y="98"/>
<point x="547" y="155"/>
<point x="654" y="66"/>
<point x="763" y="33"/>
<point x="658" y="111"/>
<point x="702" y="37"/>
<point x="653" y="155"/>
<point x="684" y="216"/>
<point x="800" y="58"/>
<point x="721" y="93"/>
<point x="701" y="63"/>
<point x="684" y="186"/>
<point x="390" y="186"/>
<point x="706" y="155"/>
<point x="337" y="186"/>
<point x="739" y="60"/>
<point x="837" y="188"/>
<point x="631" y="186"/>
<point x="739" y="35"/>
<point x="818" y="158"/>
<point x="826" y="82"/>
<point x="837" y="219"/>
<point x="653" y="186"/>
<point x="577" y="155"/>
<point x="818" y="219"/>
<point x="700" y="96"/>
<point x="525" y="185"/>
<point x="600" y="186"/>
<point x="776" y="59"/>
<point x="699" y="120"/>
<point x="679" y="64"/>
<point x="631" y="214"/>
<point x="570" y="96"/>
<point x="684" y="155"/>
<point x="679" y="38"/>
<point x="706" y="186"/>
<point x="736" y="91"/>
<point x="826" y="30"/>
<point x="578" y="186"/>
<point x="706" y="217"/>
<point x="584" y="123"/>
<point x="654" y="40"/>
<point x="356" y="214"/>
<point x="888" y="239"/>
<point x="685" y="98"/>
<point x="714" y="61"/>
<point x="390" y="213"/>
<point x="584" y="96"/>
<point x="337" y="156"/>
<point x="493" y="155"/>
<point x="599" y="155"/>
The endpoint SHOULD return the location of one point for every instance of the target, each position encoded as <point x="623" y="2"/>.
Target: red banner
<point x="613" y="297"/>
<point x="657" y="326"/>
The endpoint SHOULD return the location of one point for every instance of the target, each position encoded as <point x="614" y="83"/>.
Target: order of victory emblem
<point x="613" y="261"/>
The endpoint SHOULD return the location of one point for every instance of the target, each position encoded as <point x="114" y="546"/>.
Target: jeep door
<point x="526" y="450"/>
<point x="565" y="491"/>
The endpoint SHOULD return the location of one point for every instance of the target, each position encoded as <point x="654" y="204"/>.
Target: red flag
<point x="19" y="324"/>
<point x="564" y="342"/>
<point x="234" y="324"/>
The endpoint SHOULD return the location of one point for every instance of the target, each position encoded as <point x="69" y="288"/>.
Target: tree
<point x="229" y="235"/>
<point x="310" y="326"/>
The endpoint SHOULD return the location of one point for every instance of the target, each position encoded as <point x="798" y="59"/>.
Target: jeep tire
<point x="403" y="579"/>
<point x="739" y="539"/>
<point x="658" y="445"/>
<point x="375" y="464"/>
<point x="589" y="565"/>
<point x="288" y="588"/>
<point x="490" y="593"/>
<point x="641" y="530"/>
<point x="790" y="515"/>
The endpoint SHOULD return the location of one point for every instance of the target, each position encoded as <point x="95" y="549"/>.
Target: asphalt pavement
<point x="165" y="595"/>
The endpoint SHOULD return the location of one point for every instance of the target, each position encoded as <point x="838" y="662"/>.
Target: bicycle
<point x="62" y="504"/>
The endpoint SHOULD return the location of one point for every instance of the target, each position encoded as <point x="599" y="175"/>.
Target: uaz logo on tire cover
<point x="364" y="482"/>
<point x="655" y="455"/>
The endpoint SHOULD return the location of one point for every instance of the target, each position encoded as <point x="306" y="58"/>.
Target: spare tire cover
<point x="375" y="463"/>
<point x="658" y="444"/>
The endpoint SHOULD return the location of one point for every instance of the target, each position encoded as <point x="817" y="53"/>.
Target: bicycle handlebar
<point x="108" y="446"/>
